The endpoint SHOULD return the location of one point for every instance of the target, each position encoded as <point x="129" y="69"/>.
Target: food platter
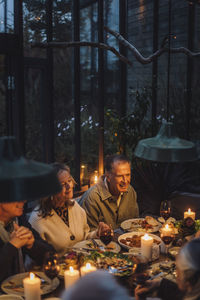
<point x="140" y="224"/>
<point x="132" y="240"/>
<point x="89" y="245"/>
<point x="14" y="284"/>
<point x="115" y="263"/>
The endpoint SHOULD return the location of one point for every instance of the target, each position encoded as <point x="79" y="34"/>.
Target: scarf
<point x="5" y="231"/>
<point x="62" y="212"/>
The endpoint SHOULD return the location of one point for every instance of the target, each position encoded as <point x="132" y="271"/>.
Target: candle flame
<point x="167" y="226"/>
<point x="147" y="237"/>
<point x="32" y="276"/>
<point x="71" y="269"/>
<point x="88" y="266"/>
<point x="189" y="210"/>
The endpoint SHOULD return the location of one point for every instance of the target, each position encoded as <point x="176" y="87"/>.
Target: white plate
<point x="14" y="284"/>
<point x="129" y="226"/>
<point x="167" y="273"/>
<point x="130" y="234"/>
<point x="112" y="246"/>
<point x="10" y="297"/>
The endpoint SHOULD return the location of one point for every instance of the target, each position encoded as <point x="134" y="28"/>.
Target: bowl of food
<point x="132" y="240"/>
<point x="174" y="251"/>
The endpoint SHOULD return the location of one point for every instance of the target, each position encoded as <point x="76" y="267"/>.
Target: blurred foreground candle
<point x="32" y="287"/>
<point x="71" y="276"/>
<point x="87" y="269"/>
<point x="146" y="246"/>
<point x="190" y="214"/>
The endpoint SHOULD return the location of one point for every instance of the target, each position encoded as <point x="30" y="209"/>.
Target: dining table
<point x="129" y="282"/>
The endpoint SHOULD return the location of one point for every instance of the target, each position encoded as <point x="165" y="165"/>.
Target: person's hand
<point x="103" y="228"/>
<point x="22" y="236"/>
<point x="142" y="290"/>
<point x="197" y="234"/>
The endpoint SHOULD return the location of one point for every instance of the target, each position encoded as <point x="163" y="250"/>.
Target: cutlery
<point x="97" y="245"/>
<point x="157" y="275"/>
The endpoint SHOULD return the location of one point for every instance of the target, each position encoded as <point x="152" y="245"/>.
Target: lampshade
<point x="166" y="147"/>
<point x="22" y="179"/>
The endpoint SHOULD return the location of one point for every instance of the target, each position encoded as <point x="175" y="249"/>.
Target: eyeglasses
<point x="64" y="184"/>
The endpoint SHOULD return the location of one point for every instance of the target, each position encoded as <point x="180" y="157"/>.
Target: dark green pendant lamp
<point x="22" y="179"/>
<point x="166" y="146"/>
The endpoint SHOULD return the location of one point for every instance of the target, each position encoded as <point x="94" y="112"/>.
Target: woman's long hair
<point x="46" y="205"/>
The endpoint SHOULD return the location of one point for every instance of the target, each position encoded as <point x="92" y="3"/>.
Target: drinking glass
<point x="167" y="238"/>
<point x="51" y="265"/>
<point x="165" y="209"/>
<point x="141" y="277"/>
<point x="106" y="236"/>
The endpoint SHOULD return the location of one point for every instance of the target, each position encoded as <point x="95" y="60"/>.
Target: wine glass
<point x="106" y="236"/>
<point x="141" y="277"/>
<point x="167" y="235"/>
<point x="51" y="266"/>
<point x="165" y="209"/>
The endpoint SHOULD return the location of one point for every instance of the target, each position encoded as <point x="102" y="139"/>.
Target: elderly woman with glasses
<point x="59" y="219"/>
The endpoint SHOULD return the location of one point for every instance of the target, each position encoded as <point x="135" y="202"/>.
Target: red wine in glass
<point x="167" y="239"/>
<point x="51" y="266"/>
<point x="165" y="209"/>
<point x="106" y="237"/>
<point x="141" y="278"/>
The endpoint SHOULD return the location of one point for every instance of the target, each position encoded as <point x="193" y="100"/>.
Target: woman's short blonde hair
<point x="46" y="205"/>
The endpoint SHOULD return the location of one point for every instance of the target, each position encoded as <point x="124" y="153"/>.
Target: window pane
<point x="7" y="16"/>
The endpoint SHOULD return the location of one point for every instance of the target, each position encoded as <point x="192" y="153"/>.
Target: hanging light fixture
<point x="22" y="179"/>
<point x="166" y="146"/>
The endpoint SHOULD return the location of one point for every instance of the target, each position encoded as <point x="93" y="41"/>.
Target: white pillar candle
<point x="87" y="269"/>
<point x="146" y="246"/>
<point x="190" y="214"/>
<point x="71" y="276"/>
<point x="32" y="287"/>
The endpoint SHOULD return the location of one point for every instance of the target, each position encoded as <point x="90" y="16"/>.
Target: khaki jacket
<point x="101" y="206"/>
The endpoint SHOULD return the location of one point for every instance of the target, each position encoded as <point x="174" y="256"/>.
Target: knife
<point x="97" y="245"/>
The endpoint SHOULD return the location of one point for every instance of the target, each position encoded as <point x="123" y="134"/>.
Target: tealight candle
<point x="71" y="276"/>
<point x="166" y="230"/>
<point x="87" y="269"/>
<point x="32" y="287"/>
<point x="146" y="246"/>
<point x="190" y="214"/>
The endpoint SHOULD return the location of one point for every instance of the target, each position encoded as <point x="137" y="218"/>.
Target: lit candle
<point x="166" y="230"/>
<point x="190" y="214"/>
<point x="71" y="276"/>
<point x="32" y="287"/>
<point x="87" y="269"/>
<point x="95" y="179"/>
<point x="146" y="246"/>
